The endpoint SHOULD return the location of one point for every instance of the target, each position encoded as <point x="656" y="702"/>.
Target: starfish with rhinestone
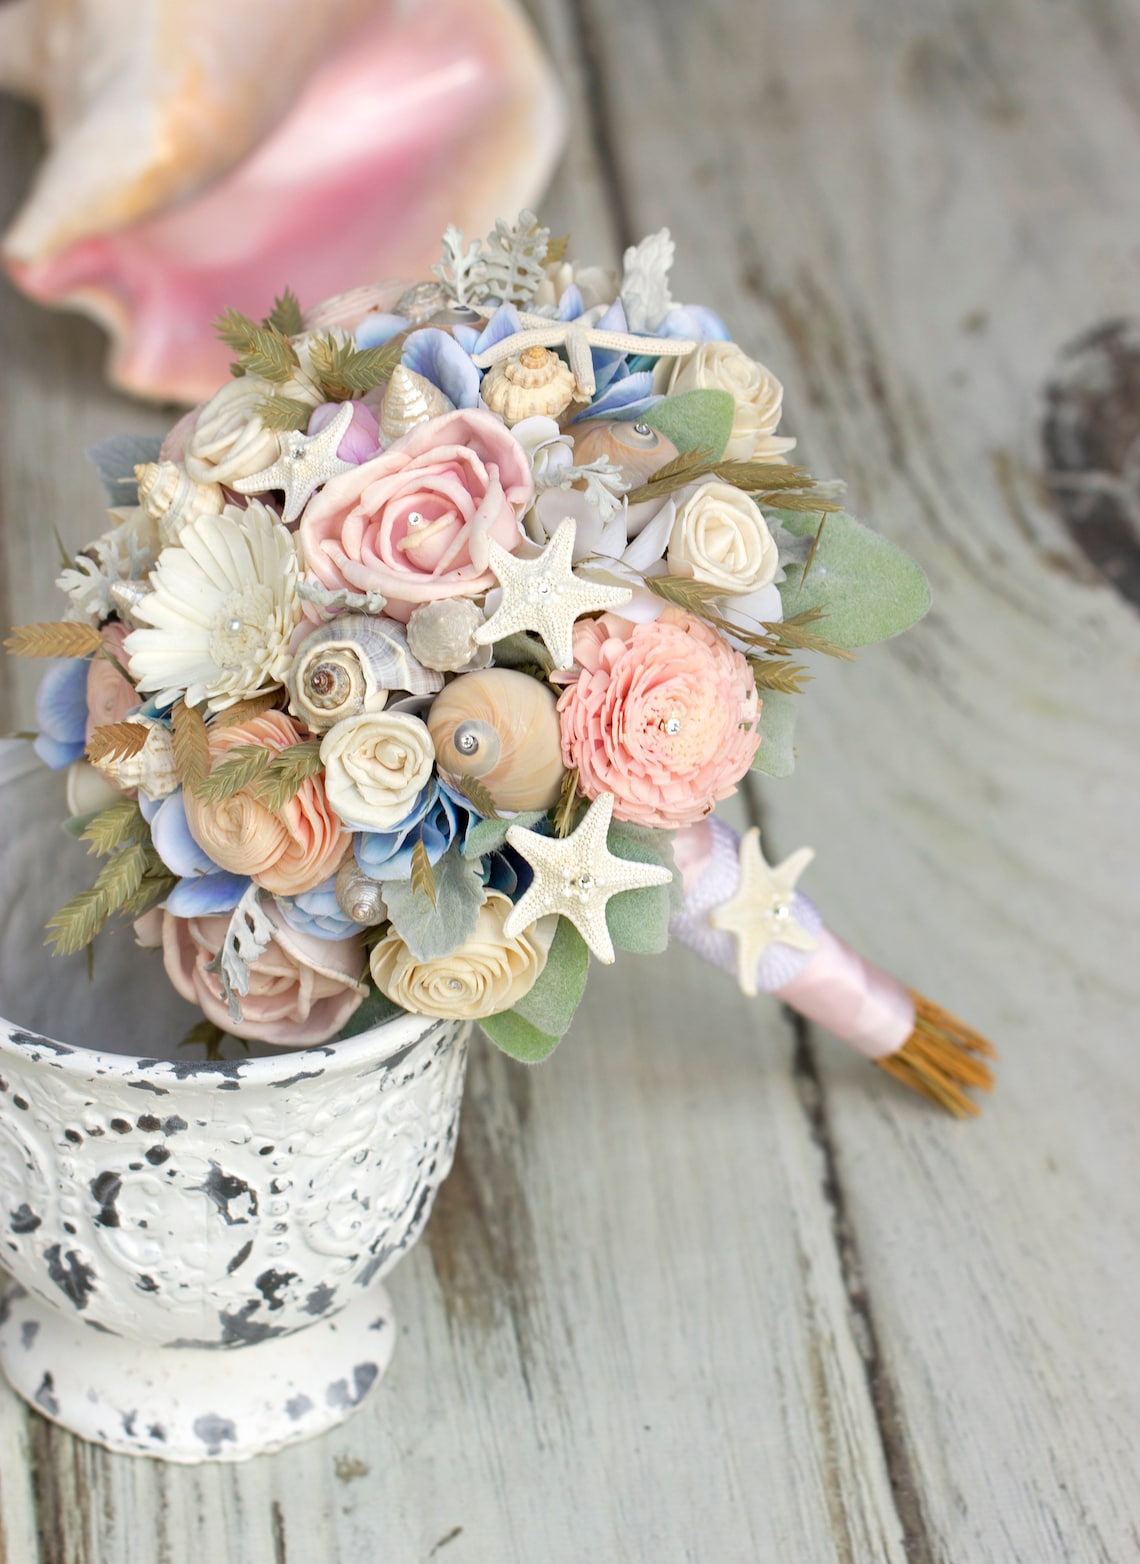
<point x="546" y="596"/>
<point x="305" y="463"/>
<point x="760" y="914"/>
<point x="576" y="875"/>
<point x="539" y="331"/>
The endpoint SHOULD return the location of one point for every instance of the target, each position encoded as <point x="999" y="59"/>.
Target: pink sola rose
<point x="416" y="522"/>
<point x="662" y="715"/>
<point x="302" y="989"/>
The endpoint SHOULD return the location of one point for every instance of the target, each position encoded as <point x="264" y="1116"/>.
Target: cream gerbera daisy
<point x="223" y="604"/>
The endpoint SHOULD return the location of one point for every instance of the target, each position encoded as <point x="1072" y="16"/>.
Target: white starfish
<point x="306" y="461"/>
<point x="545" y="595"/>
<point x="576" y="875"/>
<point x="577" y="337"/>
<point x="760" y="913"/>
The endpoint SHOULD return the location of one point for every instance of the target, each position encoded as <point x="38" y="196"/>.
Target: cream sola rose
<point x="376" y="765"/>
<point x="488" y="973"/>
<point x="719" y="536"/>
<point x="221" y="610"/>
<point x="758" y="395"/>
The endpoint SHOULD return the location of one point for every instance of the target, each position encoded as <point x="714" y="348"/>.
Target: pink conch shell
<point x="207" y="153"/>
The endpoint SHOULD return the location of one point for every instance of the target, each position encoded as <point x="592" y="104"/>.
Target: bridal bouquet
<point x="416" y="660"/>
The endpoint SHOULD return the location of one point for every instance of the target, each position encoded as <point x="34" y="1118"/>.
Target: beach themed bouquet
<point x="415" y="661"/>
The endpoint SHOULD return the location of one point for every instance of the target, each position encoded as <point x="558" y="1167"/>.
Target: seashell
<point x="126" y="596"/>
<point x="410" y="400"/>
<point x="153" y="770"/>
<point x="442" y="634"/>
<point x="169" y="495"/>
<point x="145" y="171"/>
<point x="633" y="447"/>
<point x="502" y="728"/>
<point x="533" y="383"/>
<point x="350" y="665"/>
<point x="358" y="895"/>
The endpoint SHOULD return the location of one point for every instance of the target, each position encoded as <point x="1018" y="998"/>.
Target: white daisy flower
<point x="223" y="605"/>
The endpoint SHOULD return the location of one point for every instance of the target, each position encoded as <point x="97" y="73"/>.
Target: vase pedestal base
<point x="193" y="1404"/>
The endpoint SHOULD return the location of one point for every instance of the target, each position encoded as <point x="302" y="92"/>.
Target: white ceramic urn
<point x="195" y="1246"/>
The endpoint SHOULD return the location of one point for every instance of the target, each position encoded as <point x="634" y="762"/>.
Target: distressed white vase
<point x="196" y="1247"/>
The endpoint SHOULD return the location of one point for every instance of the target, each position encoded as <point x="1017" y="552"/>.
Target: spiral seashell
<point x="358" y="895"/>
<point x="153" y="770"/>
<point x="502" y="728"/>
<point x="633" y="447"/>
<point x="410" y="400"/>
<point x="169" y="495"/>
<point x="528" y="384"/>
<point x="442" y="634"/>
<point x="351" y="665"/>
<point x="126" y="596"/>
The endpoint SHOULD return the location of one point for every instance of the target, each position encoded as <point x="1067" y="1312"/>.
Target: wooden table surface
<point x="705" y="1287"/>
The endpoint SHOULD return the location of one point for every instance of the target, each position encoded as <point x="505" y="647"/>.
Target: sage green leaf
<point x="695" y="419"/>
<point x="776" y="757"/>
<point x="373" y="1011"/>
<point x="518" y="1038"/>
<point x="866" y="587"/>
<point x="524" y="652"/>
<point x="487" y="836"/>
<point x="639" y="920"/>
<point x="551" y="1003"/>
<point x="430" y="932"/>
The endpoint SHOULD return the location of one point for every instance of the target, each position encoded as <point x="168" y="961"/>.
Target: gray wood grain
<point x="704" y="1287"/>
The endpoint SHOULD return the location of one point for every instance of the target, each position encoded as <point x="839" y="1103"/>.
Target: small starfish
<point x="545" y="595"/>
<point x="760" y="914"/>
<point x="576" y="875"/>
<point x="305" y="463"/>
<point x="539" y="331"/>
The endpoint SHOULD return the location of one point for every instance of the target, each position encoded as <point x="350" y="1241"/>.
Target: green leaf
<point x="551" y="1003"/>
<point x="524" y="652"/>
<point x="243" y="764"/>
<point x="639" y="920"/>
<point x="286" y="314"/>
<point x="518" y="1038"/>
<point x="487" y="836"/>
<point x="115" y="826"/>
<point x="431" y="932"/>
<point x="283" y="412"/>
<point x="282" y="777"/>
<point x="374" y="1011"/>
<point x="868" y="588"/>
<point x="776" y="757"/>
<point x="695" y="418"/>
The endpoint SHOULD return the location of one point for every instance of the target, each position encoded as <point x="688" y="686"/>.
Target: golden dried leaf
<point x="286" y="314"/>
<point x="117" y="741"/>
<point x="115" y="826"/>
<point x="242" y="765"/>
<point x="282" y="778"/>
<point x="191" y="747"/>
<point x="64" y="638"/>
<point x="772" y="674"/>
<point x="423" y="877"/>
<point x="566" y="810"/>
<point x="245" y="711"/>
<point x="283" y="412"/>
<point x="683" y="592"/>
<point x="478" y="795"/>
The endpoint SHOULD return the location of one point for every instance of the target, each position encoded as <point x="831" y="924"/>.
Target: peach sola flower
<point x="662" y="715"/>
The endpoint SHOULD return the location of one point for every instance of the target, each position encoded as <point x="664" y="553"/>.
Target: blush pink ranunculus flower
<point x="302" y="989"/>
<point x="109" y="696"/>
<point x="416" y="522"/>
<point x="662" y="715"/>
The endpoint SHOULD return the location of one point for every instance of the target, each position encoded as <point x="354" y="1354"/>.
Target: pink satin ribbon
<point x="832" y="985"/>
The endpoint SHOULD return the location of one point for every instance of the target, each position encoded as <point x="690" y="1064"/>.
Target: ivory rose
<point x="302" y="989"/>
<point x="720" y="536"/>
<point x="416" y="522"/>
<point x="288" y="851"/>
<point x="487" y="974"/>
<point x="376" y="765"/>
<point x="662" y="715"/>
<point x="229" y="440"/>
<point x="759" y="397"/>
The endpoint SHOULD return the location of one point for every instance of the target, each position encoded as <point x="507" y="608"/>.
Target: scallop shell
<point x="169" y="494"/>
<point x="633" y="447"/>
<point x="500" y="727"/>
<point x="358" y="895"/>
<point x="528" y="384"/>
<point x="351" y="665"/>
<point x="153" y="770"/>
<point x="410" y="400"/>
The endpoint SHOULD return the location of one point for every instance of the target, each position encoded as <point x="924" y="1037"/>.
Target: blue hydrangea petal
<point x="694" y="322"/>
<point x="55" y="754"/>
<point x="627" y="398"/>
<point x="571" y="304"/>
<point x="61" y="701"/>
<point x="317" y="912"/>
<point x="466" y="336"/>
<point x="504" y="322"/>
<point x="437" y="356"/>
<point x="375" y="330"/>
<point x="170" y="832"/>
<point x="203" y="895"/>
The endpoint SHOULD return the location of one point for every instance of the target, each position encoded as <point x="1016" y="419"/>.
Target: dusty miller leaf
<point x="429" y="931"/>
<point x="868" y="588"/>
<point x="516" y="1037"/>
<point x="488" y="835"/>
<point x="555" y="996"/>
<point x="776" y="757"/>
<point x="115" y="460"/>
<point x="247" y="936"/>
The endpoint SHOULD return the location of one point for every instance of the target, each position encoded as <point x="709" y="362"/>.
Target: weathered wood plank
<point x="913" y="210"/>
